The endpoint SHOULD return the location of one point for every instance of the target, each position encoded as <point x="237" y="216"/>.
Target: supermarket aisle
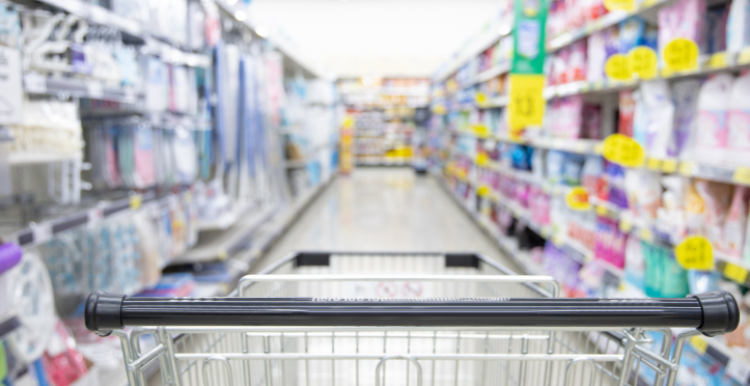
<point x="377" y="209"/>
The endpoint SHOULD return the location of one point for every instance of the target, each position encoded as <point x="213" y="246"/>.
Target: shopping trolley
<point x="333" y="318"/>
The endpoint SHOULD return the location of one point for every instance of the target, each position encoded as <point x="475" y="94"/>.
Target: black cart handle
<point x="712" y="313"/>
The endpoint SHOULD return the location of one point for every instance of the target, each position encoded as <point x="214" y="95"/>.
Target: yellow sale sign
<point x="526" y="103"/>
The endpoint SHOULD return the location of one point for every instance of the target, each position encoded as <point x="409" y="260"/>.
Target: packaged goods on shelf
<point x="617" y="225"/>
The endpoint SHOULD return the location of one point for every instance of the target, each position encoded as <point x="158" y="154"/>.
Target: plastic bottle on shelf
<point x="713" y="107"/>
<point x="738" y="25"/>
<point x="739" y="120"/>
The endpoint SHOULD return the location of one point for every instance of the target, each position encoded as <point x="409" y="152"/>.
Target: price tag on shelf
<point x="482" y="159"/>
<point x="35" y="83"/>
<point x="686" y="169"/>
<point x="483" y="191"/>
<point x="42" y="233"/>
<point x="642" y="62"/>
<point x="617" y="67"/>
<point x="717" y="60"/>
<point x="601" y="211"/>
<point x="735" y="272"/>
<point x="136" y="201"/>
<point x="681" y="55"/>
<point x="94" y="90"/>
<point x="619" y="5"/>
<point x="526" y="102"/>
<point x="623" y="150"/>
<point x="646" y="234"/>
<point x="744" y="56"/>
<point x="742" y="175"/>
<point x="653" y="164"/>
<point x="738" y="371"/>
<point x="481" y="130"/>
<point x="669" y="166"/>
<point x="695" y="252"/>
<point x="699" y="344"/>
<point x="578" y="199"/>
<point x="626" y="226"/>
<point x="480" y="98"/>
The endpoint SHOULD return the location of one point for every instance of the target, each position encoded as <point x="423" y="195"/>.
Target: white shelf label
<point x="736" y="370"/>
<point x="42" y="233"/>
<point x="11" y="92"/>
<point x="95" y="90"/>
<point x="35" y="84"/>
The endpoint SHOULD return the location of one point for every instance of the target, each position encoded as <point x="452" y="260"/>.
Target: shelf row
<point x="731" y="268"/>
<point x="721" y="173"/>
<point x="44" y="231"/>
<point x="736" y="366"/>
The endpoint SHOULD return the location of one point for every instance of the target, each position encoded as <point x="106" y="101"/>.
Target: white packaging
<point x="713" y="109"/>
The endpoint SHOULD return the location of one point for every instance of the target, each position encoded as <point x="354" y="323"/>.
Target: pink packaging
<point x="591" y="121"/>
<point x="610" y="242"/>
<point x="627" y="111"/>
<point x="568" y="122"/>
<point x="576" y="65"/>
<point x="561" y="65"/>
<point x="682" y="19"/>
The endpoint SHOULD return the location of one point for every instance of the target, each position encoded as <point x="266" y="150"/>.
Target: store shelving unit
<point x="464" y="123"/>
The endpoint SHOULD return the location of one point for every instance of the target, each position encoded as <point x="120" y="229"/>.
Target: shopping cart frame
<point x="718" y="314"/>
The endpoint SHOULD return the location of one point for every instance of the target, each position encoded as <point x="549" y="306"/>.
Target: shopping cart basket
<point x="329" y="318"/>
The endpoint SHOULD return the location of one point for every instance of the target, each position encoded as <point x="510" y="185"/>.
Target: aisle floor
<point x="384" y="209"/>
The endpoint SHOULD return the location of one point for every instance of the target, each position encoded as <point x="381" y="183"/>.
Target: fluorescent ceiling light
<point x="240" y="15"/>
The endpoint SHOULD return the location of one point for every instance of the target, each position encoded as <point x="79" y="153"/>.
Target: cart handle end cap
<point x="103" y="313"/>
<point x="721" y="314"/>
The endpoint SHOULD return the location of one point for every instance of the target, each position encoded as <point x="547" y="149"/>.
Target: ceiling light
<point x="231" y="2"/>
<point x="262" y="32"/>
<point x="240" y="15"/>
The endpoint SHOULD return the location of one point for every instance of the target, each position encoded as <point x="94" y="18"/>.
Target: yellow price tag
<point x="482" y="159"/>
<point x="669" y="166"/>
<point x="681" y="55"/>
<point x="619" y="5"/>
<point x="695" y="252"/>
<point x="617" y="67"/>
<point x="601" y="211"/>
<point x="735" y="272"/>
<point x="686" y="169"/>
<point x="136" y="201"/>
<point x="699" y="344"/>
<point x="744" y="56"/>
<point x="348" y="122"/>
<point x="623" y="150"/>
<point x="741" y="175"/>
<point x="654" y="164"/>
<point x="625" y="226"/>
<point x="642" y="62"/>
<point x="718" y="60"/>
<point x="480" y="98"/>
<point x="483" y="191"/>
<point x="481" y="130"/>
<point x="526" y="102"/>
<point x="578" y="199"/>
<point x="439" y="110"/>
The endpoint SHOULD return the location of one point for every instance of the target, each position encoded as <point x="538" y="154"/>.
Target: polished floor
<point x="384" y="209"/>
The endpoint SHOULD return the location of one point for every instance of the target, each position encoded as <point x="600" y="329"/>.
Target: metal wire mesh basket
<point x="329" y="318"/>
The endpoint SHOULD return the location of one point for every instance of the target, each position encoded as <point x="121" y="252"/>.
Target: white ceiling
<point x="356" y="38"/>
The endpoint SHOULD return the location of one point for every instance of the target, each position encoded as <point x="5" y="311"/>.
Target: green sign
<point x="528" y="36"/>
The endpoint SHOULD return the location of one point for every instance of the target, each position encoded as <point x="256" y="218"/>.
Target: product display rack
<point x="469" y="128"/>
<point x="712" y="348"/>
<point x="140" y="236"/>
